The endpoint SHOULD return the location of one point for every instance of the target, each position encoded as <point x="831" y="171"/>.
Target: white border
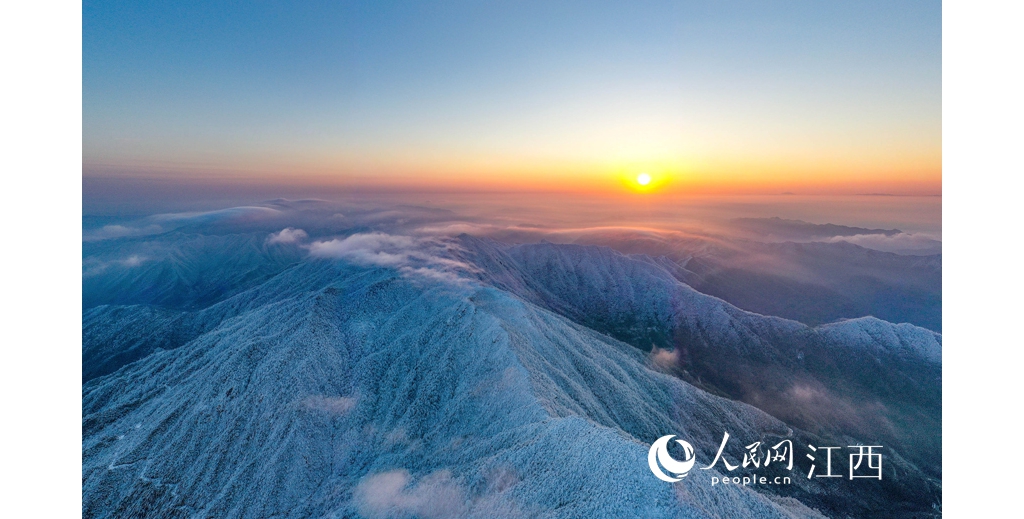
<point x="40" y="330"/>
<point x="983" y="367"/>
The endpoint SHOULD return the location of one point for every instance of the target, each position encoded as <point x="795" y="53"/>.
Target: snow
<point x="311" y="387"/>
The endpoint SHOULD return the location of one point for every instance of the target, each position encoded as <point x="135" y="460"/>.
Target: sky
<point x="720" y="98"/>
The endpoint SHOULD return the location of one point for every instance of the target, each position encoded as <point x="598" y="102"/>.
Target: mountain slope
<point x="330" y="389"/>
<point x="316" y="405"/>
<point x="864" y="376"/>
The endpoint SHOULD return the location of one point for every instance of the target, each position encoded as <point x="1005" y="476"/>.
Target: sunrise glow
<point x="450" y="108"/>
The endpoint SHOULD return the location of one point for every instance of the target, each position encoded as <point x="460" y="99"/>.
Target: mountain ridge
<point x="362" y="389"/>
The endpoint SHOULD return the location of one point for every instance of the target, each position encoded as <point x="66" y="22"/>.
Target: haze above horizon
<point x="737" y="98"/>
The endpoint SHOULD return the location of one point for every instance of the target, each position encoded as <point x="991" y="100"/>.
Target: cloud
<point x="434" y="274"/>
<point x="428" y="258"/>
<point x="807" y="402"/>
<point x="335" y="405"/>
<point x="94" y="267"/>
<point x="287" y="235"/>
<point x="109" y="232"/>
<point x="389" y="494"/>
<point x="159" y="223"/>
<point x="664" y="358"/>
<point x="367" y="249"/>
<point x="901" y="243"/>
<point x="437" y="496"/>
<point x="456" y="228"/>
<point x="231" y="213"/>
<point x="133" y="261"/>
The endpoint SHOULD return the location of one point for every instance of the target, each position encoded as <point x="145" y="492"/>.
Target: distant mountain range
<point x="784" y="229"/>
<point x="366" y="373"/>
<point x="814" y="282"/>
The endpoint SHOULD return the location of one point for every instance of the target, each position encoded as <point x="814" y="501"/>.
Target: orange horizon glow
<point x="575" y="108"/>
<point x="904" y="179"/>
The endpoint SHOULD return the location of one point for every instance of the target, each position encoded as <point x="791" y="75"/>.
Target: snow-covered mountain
<point x="374" y="375"/>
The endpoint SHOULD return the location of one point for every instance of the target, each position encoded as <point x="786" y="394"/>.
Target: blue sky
<point x="747" y="91"/>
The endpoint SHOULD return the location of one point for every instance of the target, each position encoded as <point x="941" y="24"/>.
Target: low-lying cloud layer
<point x="389" y="494"/>
<point x="231" y="213"/>
<point x="287" y="235"/>
<point x="808" y="275"/>
<point x="425" y="257"/>
<point x="437" y="495"/>
<point x="902" y="243"/>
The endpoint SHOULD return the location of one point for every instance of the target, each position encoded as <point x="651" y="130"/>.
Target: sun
<point x="644" y="179"/>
